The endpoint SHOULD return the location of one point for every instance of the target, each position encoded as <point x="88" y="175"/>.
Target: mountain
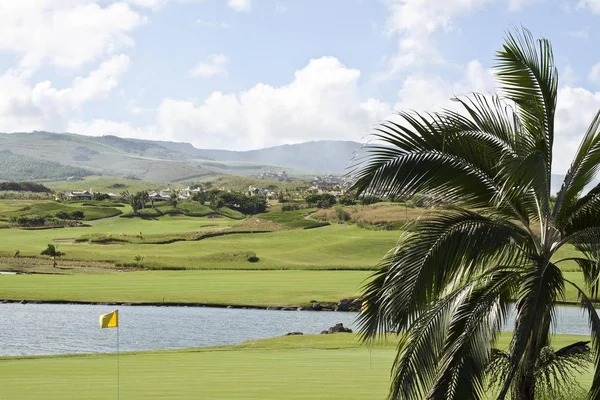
<point x="160" y="160"/>
<point x="322" y="156"/>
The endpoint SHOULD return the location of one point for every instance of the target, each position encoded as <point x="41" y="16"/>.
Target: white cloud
<point x="427" y="92"/>
<point x="322" y="101"/>
<point x="594" y="74"/>
<point x="215" y="64"/>
<point x="24" y="107"/>
<point x="593" y="5"/>
<point x="414" y="22"/>
<point x="100" y="127"/>
<point x="65" y="33"/>
<point x="240" y="5"/>
<point x="575" y="110"/>
<point x="134" y="108"/>
<point x="96" y="85"/>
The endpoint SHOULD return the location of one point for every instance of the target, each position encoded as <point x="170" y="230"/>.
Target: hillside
<point x="109" y="155"/>
<point x="322" y="156"/>
<point x="15" y="167"/>
<point x="161" y="161"/>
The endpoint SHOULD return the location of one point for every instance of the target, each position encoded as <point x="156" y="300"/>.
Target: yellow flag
<point x="110" y="320"/>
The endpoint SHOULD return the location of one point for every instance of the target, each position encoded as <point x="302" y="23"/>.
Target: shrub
<point x="78" y="214"/>
<point x="324" y="200"/>
<point x="291" y="207"/>
<point x="346" y="201"/>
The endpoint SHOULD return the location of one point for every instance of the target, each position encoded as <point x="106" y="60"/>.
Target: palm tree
<point x="454" y="275"/>
<point x="52" y="251"/>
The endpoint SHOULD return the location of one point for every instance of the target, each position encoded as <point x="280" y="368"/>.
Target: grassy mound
<point x="293" y="219"/>
<point x="52" y="209"/>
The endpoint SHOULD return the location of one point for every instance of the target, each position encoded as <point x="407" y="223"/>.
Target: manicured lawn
<point x="330" y="247"/>
<point x="260" y="288"/>
<point x="299" y="367"/>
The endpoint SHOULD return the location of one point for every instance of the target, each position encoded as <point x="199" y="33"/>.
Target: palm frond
<point x="540" y="289"/>
<point x="436" y="254"/>
<point x="582" y="171"/>
<point x="594" y="321"/>
<point x="472" y="331"/>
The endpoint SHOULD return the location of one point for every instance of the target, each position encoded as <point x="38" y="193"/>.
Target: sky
<point x="247" y="74"/>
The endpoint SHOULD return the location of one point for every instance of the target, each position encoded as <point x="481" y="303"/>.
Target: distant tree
<point x="100" y="196"/>
<point x="324" y="200"/>
<point x="52" y="251"/>
<point x="200" y="197"/>
<point x="346" y="201"/>
<point x="78" y="214"/>
<point x="137" y="201"/>
<point x="174" y="198"/>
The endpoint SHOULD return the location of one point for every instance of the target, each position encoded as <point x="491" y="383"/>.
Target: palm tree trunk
<point x="526" y="386"/>
<point x="54" y="261"/>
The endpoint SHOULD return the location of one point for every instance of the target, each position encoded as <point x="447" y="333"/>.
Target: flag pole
<point x="118" y="365"/>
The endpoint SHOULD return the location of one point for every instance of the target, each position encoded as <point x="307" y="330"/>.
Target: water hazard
<point x="35" y="329"/>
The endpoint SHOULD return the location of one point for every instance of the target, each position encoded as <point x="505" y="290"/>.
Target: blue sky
<point x="244" y="74"/>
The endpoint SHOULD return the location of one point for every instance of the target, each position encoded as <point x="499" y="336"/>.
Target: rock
<point x="316" y="307"/>
<point x="229" y="307"/>
<point x="300" y="309"/>
<point x="324" y="332"/>
<point x="356" y="305"/>
<point x="294" y="334"/>
<point x="288" y="309"/>
<point x="272" y="308"/>
<point x="313" y="301"/>
<point x="344" y="305"/>
<point x="339" y="328"/>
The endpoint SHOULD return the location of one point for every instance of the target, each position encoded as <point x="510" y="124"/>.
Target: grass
<point x="382" y="215"/>
<point x="252" y="288"/>
<point x="330" y="247"/>
<point x="294" y="367"/>
<point x="293" y="219"/>
<point x="107" y="184"/>
<point x="92" y="211"/>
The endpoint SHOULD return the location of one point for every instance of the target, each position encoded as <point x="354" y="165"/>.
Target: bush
<point x="366" y="200"/>
<point x="78" y="214"/>
<point x="31" y="221"/>
<point x="62" y="215"/>
<point x="291" y="207"/>
<point x="346" y="201"/>
<point x="324" y="200"/>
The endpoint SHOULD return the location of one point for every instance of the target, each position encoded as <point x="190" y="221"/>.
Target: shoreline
<point x="178" y="304"/>
<point x="326" y="307"/>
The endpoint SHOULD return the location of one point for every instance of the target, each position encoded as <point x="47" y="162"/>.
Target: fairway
<point x="252" y="288"/>
<point x="297" y="367"/>
<point x="330" y="247"/>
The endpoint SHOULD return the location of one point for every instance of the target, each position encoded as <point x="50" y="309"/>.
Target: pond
<point x="36" y="329"/>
